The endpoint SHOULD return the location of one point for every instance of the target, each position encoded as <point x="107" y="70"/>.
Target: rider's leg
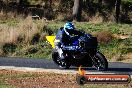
<point x="59" y="49"/>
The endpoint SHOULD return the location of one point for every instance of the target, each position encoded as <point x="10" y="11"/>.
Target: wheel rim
<point x="61" y="62"/>
<point x="99" y="65"/>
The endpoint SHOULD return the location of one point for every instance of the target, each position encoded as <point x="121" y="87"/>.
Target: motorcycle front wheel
<point x="62" y="63"/>
<point x="100" y="62"/>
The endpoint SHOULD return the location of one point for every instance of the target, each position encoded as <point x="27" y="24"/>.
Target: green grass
<point x="116" y="47"/>
<point x="3" y="85"/>
<point x="10" y="22"/>
<point x="90" y="27"/>
<point x="43" y="51"/>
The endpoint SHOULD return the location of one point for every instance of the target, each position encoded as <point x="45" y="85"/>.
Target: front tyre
<point x="100" y="62"/>
<point x="62" y="63"/>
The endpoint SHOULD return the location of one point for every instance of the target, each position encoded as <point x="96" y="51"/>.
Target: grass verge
<point x="26" y="37"/>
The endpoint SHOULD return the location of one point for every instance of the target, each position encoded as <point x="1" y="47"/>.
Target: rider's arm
<point x="59" y="37"/>
<point x="76" y="32"/>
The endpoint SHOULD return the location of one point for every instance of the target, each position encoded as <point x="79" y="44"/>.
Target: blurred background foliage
<point x="61" y="9"/>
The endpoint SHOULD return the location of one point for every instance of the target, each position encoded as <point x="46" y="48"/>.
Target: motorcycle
<point x="83" y="50"/>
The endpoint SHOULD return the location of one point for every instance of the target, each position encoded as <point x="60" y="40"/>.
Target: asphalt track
<point x="49" y="65"/>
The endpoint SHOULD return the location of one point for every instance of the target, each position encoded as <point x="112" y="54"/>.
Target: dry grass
<point x="26" y="28"/>
<point x="104" y="36"/>
<point x="9" y="15"/>
<point x="96" y="19"/>
<point x="24" y="31"/>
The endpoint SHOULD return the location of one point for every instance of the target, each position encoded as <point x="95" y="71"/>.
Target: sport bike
<point x="82" y="50"/>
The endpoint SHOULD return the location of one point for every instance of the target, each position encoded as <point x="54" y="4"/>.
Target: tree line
<point x="75" y="9"/>
<point x="78" y="5"/>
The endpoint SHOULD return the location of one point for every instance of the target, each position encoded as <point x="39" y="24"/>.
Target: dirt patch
<point x="19" y="79"/>
<point x="39" y="79"/>
<point x="127" y="58"/>
<point x="122" y="36"/>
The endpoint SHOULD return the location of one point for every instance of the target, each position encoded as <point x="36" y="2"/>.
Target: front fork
<point x="93" y="58"/>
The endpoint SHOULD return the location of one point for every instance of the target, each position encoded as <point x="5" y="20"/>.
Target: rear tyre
<point x="100" y="62"/>
<point x="62" y="63"/>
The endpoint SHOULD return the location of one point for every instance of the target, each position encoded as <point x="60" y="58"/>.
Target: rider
<point x="64" y="35"/>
